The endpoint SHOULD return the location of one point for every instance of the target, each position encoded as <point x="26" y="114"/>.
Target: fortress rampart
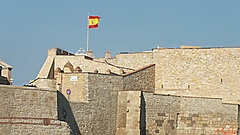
<point x="168" y="91"/>
<point x="29" y="111"/>
<point x="203" y="72"/>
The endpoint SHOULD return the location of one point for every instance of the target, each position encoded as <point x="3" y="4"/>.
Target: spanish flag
<point x="93" y="21"/>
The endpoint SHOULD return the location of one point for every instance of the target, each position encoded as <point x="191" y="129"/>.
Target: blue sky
<point x="29" y="28"/>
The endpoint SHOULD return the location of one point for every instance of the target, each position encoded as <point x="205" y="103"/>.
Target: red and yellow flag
<point x="93" y="21"/>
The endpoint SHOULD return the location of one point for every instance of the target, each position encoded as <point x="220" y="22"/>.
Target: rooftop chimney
<point x="107" y="54"/>
<point x="90" y="53"/>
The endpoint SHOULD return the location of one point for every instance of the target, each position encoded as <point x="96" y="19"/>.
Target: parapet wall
<point x="44" y="83"/>
<point x="134" y="60"/>
<point x="183" y="91"/>
<point x="185" y="116"/>
<point x="29" y="111"/>
<point x="85" y="64"/>
<point x="141" y="79"/>
<point x="204" y="72"/>
<point x="57" y="51"/>
<point x="150" y="114"/>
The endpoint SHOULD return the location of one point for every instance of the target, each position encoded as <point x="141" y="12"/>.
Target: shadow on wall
<point x="65" y="113"/>
<point x="142" y="115"/>
<point x="238" y="133"/>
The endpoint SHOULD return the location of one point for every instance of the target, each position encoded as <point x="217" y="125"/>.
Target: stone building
<point x="5" y="73"/>
<point x="166" y="91"/>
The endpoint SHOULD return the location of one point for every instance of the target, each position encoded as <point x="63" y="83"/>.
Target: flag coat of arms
<point x="93" y="21"/>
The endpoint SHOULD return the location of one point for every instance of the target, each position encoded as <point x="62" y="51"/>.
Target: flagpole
<point x="87" y="31"/>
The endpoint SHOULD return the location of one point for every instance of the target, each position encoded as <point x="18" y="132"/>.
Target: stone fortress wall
<point x="29" y="111"/>
<point x="182" y="91"/>
<point x="201" y="72"/>
<point x="98" y="115"/>
<point x="188" y="116"/>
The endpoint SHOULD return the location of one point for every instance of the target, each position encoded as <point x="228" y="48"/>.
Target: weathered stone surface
<point x="142" y="80"/>
<point x="181" y="115"/>
<point x="45" y="83"/>
<point x="188" y="91"/>
<point x="99" y="114"/>
<point x="128" y="112"/>
<point x="204" y="72"/>
<point x="29" y="111"/>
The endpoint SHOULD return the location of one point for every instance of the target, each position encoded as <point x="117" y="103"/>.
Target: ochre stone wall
<point x="128" y="113"/>
<point x="206" y="72"/>
<point x="98" y="115"/>
<point x="189" y="91"/>
<point x="142" y="80"/>
<point x="188" y="116"/>
<point x="85" y="64"/>
<point x="29" y="111"/>
<point x="44" y="72"/>
<point x="44" y="83"/>
<point x="77" y="83"/>
<point x="133" y="60"/>
<point x="121" y="113"/>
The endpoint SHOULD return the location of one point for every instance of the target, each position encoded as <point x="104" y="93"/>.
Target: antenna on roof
<point x="81" y="51"/>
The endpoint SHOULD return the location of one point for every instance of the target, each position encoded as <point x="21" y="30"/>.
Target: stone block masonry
<point x="202" y="72"/>
<point x="133" y="60"/>
<point x="128" y="113"/>
<point x="78" y="87"/>
<point x="98" y="115"/>
<point x="188" y="116"/>
<point x="29" y="111"/>
<point x="168" y="91"/>
<point x="142" y="79"/>
<point x="146" y="113"/>
<point x="84" y="64"/>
